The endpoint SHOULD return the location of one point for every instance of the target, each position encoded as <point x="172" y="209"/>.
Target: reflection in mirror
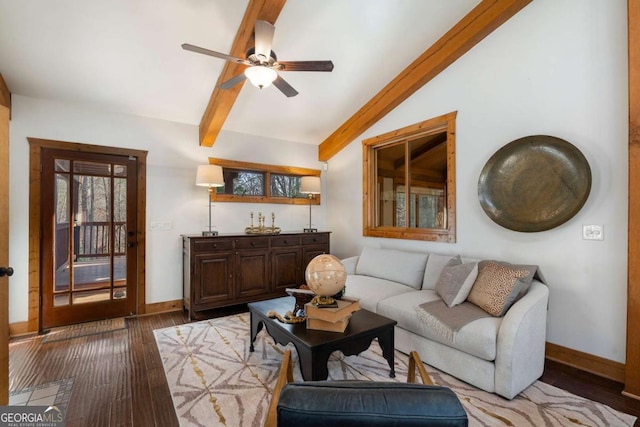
<point x="388" y="178"/>
<point x="428" y="181"/>
<point x="420" y="161"/>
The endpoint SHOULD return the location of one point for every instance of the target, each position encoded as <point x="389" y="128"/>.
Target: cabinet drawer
<point x="315" y="239"/>
<point x="283" y="241"/>
<point x="252" y="243"/>
<point x="212" y="245"/>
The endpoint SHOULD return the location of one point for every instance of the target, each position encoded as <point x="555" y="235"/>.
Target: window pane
<point x="120" y="170"/>
<point x="428" y="177"/>
<point x="286" y="186"/>
<point x="91" y="168"/>
<point x="62" y="233"/>
<point x="91" y="296"/>
<point x="61" y="165"/>
<point x="92" y="237"/>
<point x="119" y="215"/>
<point x="119" y="293"/>
<point x="245" y="183"/>
<point x="60" y="300"/>
<point x="390" y="167"/>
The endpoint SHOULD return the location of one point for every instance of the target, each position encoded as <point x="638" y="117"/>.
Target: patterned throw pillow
<point x="456" y="280"/>
<point x="497" y="287"/>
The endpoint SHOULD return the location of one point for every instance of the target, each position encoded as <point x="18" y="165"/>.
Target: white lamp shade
<point x="260" y="76"/>
<point x="209" y="176"/>
<point x="310" y="185"/>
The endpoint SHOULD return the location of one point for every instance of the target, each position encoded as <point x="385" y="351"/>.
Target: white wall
<point x="559" y="67"/>
<point x="172" y="196"/>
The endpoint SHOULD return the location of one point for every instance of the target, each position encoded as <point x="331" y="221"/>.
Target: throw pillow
<point x="533" y="272"/>
<point x="456" y="280"/>
<point x="497" y="287"/>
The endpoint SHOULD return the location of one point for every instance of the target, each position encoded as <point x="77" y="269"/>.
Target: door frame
<point x="632" y="362"/>
<point x="35" y="150"/>
<point x="5" y="117"/>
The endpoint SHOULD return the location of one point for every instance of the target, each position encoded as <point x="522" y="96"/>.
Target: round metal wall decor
<point x="534" y="183"/>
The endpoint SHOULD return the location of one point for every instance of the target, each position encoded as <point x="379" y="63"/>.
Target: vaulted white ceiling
<point x="124" y="56"/>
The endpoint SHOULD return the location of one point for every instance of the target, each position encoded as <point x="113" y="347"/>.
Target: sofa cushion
<point x="456" y="280"/>
<point x="370" y="290"/>
<point x="435" y="264"/>
<point x="498" y="287"/>
<point x="478" y="338"/>
<point x="397" y="266"/>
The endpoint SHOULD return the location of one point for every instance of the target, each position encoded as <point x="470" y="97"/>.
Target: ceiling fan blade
<point x="192" y="48"/>
<point x="284" y="87"/>
<point x="305" y="65"/>
<point x="264" y="39"/>
<point x="232" y="81"/>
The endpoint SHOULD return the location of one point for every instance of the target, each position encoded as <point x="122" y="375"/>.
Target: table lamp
<point x="310" y="185"/>
<point x="209" y="176"/>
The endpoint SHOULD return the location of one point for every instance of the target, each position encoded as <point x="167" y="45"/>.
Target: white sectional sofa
<point x="502" y="355"/>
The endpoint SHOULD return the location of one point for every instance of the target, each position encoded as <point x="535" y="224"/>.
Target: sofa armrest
<point x="521" y="342"/>
<point x="350" y="264"/>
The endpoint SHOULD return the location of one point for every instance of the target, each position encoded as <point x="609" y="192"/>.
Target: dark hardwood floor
<point x="119" y="379"/>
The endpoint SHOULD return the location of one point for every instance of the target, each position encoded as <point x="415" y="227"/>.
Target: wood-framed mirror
<point x="418" y="160"/>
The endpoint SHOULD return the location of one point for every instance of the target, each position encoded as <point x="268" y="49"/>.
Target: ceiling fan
<point x="263" y="65"/>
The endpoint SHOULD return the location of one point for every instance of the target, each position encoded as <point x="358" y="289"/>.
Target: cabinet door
<point x="252" y="273"/>
<point x="212" y="279"/>
<point x="310" y="252"/>
<point x="285" y="268"/>
<point x="313" y="245"/>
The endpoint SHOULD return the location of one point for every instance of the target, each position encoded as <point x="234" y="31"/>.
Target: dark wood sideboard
<point x="231" y="269"/>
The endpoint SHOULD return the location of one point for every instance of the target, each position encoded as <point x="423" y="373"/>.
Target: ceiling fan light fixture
<point x="260" y="76"/>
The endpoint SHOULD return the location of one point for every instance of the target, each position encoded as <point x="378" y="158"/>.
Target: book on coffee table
<point x="346" y="307"/>
<point x="323" y="325"/>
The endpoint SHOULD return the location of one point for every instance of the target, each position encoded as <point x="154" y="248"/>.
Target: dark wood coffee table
<point x="314" y="347"/>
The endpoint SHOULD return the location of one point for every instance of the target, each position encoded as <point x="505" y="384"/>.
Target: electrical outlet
<point x="593" y="232"/>
<point x="161" y="226"/>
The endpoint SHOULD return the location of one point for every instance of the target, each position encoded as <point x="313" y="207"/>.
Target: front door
<point x="88" y="252"/>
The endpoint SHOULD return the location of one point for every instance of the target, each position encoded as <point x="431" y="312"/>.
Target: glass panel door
<point x="90" y="241"/>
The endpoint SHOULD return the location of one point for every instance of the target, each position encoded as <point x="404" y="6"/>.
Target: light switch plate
<point x="161" y="225"/>
<point x="593" y="232"/>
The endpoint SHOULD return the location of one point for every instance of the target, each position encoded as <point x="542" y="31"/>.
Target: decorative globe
<point x="325" y="275"/>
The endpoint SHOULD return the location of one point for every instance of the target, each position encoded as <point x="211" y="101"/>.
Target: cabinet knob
<point x="253" y="243"/>
<point x="215" y="245"/>
<point x="286" y="242"/>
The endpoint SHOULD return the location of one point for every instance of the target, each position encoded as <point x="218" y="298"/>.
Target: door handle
<point x="6" y="271"/>
<point x="131" y="244"/>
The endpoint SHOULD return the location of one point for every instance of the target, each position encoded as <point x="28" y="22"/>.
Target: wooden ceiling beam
<point x="5" y="95"/>
<point x="468" y="32"/>
<point x="221" y="101"/>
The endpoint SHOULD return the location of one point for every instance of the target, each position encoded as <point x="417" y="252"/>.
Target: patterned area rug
<point x="215" y="380"/>
<point x="84" y="329"/>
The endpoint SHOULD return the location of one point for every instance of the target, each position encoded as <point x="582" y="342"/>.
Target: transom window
<point x="261" y="183"/>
